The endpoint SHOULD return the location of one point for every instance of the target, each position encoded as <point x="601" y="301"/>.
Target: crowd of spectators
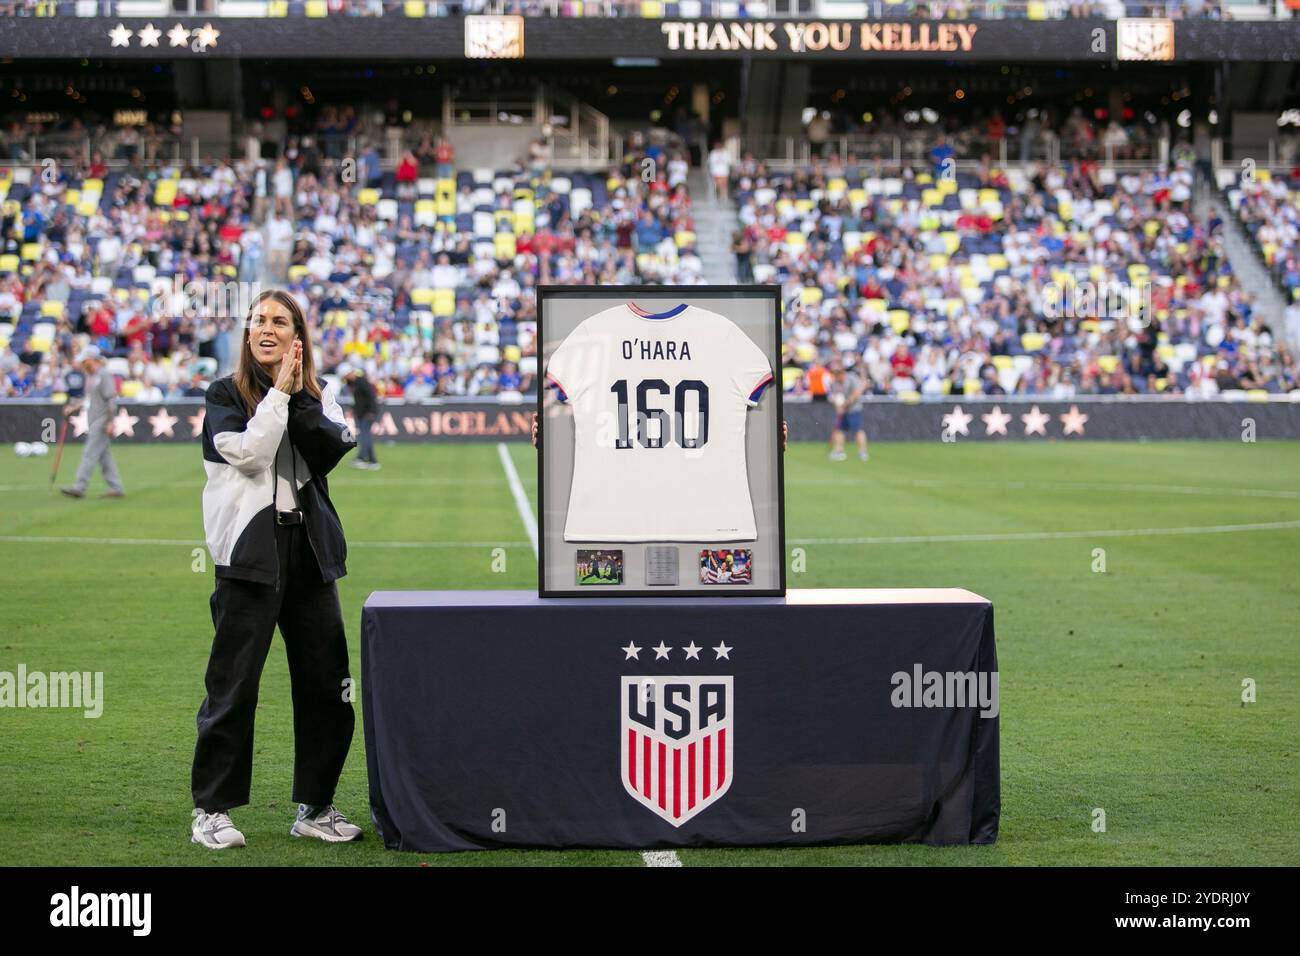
<point x="1043" y="281"/>
<point x="424" y="276"/>
<point x="1268" y="204"/>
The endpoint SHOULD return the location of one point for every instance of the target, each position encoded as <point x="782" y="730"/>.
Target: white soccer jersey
<point x="659" y="403"/>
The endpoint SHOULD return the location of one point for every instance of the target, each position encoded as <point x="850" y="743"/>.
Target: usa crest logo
<point x="677" y="743"/>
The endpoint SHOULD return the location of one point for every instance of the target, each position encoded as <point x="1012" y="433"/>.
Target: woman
<point x="271" y="433"/>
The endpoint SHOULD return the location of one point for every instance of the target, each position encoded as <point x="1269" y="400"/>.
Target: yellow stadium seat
<point x="164" y="193"/>
<point x="684" y="238"/>
<point x="52" y="308"/>
<point x="857" y="197"/>
<point x="1162" y="384"/>
<point x="837" y="185"/>
<point x="932" y="197"/>
<point x="938" y="260"/>
<point x="924" y="179"/>
<point x="297" y="272"/>
<point x="652" y="9"/>
<point x="989" y="197"/>
<point x="414" y="8"/>
<point x="804" y="206"/>
<point x="796" y="240"/>
<point x="31" y="251"/>
<point x="422" y="296"/>
<point x="910" y="398"/>
<point x="970" y="386"/>
<point x="130" y="389"/>
<point x="874" y="305"/>
<point x="368" y="197"/>
<point x="277" y="8"/>
<point x="1032" y="341"/>
<point x="951" y="240"/>
<point x="444" y="302"/>
<point x="8" y="263"/>
<point x="315" y="8"/>
<point x="1003" y="362"/>
<point x="444" y="194"/>
<point x="899" y="320"/>
<point x="810" y="295"/>
<point x="790" y="375"/>
<point x="504" y="244"/>
<point x="997" y="261"/>
<point x="1256" y="395"/>
<point x="426" y="212"/>
<point x="1108" y="363"/>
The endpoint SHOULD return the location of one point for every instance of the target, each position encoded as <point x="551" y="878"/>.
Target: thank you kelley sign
<point x="815" y="36"/>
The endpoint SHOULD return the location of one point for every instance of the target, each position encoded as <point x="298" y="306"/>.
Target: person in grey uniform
<point x="101" y="407"/>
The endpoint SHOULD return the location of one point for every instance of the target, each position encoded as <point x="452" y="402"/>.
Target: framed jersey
<point x="660" y="438"/>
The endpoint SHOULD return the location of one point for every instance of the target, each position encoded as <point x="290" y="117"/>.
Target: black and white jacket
<point x="239" y="497"/>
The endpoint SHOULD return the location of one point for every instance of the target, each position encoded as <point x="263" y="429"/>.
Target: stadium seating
<point x="976" y="285"/>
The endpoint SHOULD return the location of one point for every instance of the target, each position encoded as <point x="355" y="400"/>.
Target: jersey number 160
<point x="666" y="430"/>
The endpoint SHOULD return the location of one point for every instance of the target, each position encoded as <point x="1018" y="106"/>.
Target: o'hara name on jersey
<point x="656" y="350"/>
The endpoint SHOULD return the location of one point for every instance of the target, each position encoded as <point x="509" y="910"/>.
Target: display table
<point x="497" y="718"/>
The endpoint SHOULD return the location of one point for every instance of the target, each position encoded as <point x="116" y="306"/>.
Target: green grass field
<point x="1120" y="690"/>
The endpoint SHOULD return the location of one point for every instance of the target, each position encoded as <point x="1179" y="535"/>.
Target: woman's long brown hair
<point x="251" y="380"/>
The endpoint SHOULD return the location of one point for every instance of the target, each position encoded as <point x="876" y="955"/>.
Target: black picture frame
<point x="675" y="294"/>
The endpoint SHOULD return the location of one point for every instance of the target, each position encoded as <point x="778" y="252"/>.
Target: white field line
<point x="656" y="858"/>
<point x="661" y="858"/>
<point x="521" y="499"/>
<point x="900" y="539"/>
<point x="1053" y="535"/>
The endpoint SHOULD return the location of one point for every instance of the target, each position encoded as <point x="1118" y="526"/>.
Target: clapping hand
<point x="289" y="379"/>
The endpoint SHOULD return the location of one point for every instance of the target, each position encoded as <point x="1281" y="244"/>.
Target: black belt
<point x="288" y="517"/>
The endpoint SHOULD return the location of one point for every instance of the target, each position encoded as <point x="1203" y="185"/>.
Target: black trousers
<point x="244" y="615"/>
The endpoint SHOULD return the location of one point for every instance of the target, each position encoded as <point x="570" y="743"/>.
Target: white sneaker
<point x="863" y="456"/>
<point x="328" y="825"/>
<point x="837" y="456"/>
<point x="357" y="463"/>
<point x="214" y="831"/>
<point x="373" y="465"/>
